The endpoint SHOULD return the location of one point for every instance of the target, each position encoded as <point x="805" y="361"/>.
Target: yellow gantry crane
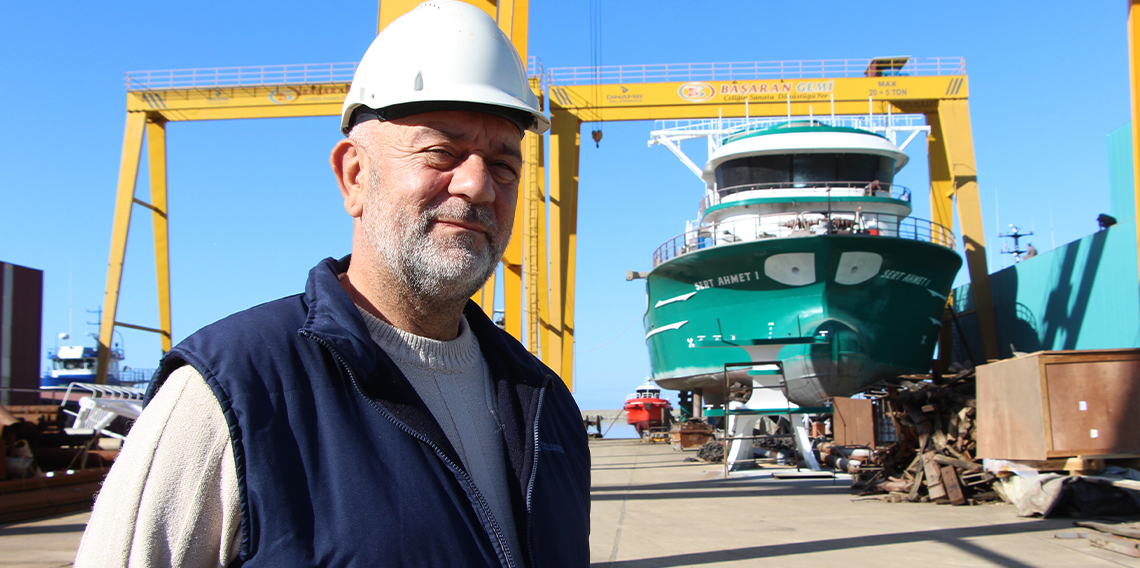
<point x="541" y="254"/>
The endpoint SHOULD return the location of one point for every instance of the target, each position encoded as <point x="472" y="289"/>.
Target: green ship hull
<point x="870" y="305"/>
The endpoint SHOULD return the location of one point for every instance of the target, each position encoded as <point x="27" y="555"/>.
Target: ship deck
<point x="651" y="509"/>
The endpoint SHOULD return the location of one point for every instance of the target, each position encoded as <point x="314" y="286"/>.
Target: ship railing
<point x="99" y="408"/>
<point x="829" y="190"/>
<point x="687" y="128"/>
<point x="135" y="376"/>
<point x="747" y="70"/>
<point x="805" y="224"/>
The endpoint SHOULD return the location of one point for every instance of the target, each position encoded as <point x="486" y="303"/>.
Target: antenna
<point x="70" y="302"/>
<point x="1016" y="234"/>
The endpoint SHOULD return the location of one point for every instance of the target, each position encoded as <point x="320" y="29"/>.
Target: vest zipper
<point x="533" y="473"/>
<point x="464" y="476"/>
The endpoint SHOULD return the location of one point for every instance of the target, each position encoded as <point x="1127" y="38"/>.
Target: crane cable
<point x="596" y="62"/>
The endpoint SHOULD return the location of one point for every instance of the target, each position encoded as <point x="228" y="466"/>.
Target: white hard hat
<point x="442" y="55"/>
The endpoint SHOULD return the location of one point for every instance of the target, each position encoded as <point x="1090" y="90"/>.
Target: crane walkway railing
<point x="257" y="76"/>
<point x="317" y="73"/>
<point x="262" y="75"/>
<point x="751" y="70"/>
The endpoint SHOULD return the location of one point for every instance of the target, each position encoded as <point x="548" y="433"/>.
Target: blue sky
<point x="253" y="205"/>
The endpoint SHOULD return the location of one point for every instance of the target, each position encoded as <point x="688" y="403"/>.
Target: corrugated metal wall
<point x="1123" y="198"/>
<point x="1083" y="295"/>
<point x="21" y="319"/>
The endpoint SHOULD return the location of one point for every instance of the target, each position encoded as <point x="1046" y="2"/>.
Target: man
<point x="379" y="418"/>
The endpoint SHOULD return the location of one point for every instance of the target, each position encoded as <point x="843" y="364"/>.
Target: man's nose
<point x="471" y="180"/>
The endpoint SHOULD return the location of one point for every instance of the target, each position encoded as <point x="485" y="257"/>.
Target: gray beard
<point x="435" y="269"/>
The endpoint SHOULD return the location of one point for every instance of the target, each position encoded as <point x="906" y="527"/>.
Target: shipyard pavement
<point x="651" y="509"/>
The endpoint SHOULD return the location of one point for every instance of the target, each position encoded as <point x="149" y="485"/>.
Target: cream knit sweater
<point x="171" y="498"/>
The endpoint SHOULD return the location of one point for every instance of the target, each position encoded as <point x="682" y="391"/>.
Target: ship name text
<point x="726" y="280"/>
<point x="905" y="277"/>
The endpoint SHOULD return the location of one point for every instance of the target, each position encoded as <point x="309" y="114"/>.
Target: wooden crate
<point x="1053" y="404"/>
<point x="853" y="422"/>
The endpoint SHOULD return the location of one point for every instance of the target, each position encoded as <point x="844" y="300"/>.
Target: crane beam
<point x="565" y="141"/>
<point x="768" y="97"/>
<point x="120" y="226"/>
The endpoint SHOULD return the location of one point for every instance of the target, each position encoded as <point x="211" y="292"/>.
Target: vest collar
<point x="333" y="316"/>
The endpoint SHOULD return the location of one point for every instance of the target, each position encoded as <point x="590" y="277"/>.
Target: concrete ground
<point x="46" y="543"/>
<point x="653" y="510"/>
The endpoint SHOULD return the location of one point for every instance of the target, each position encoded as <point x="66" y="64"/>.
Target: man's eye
<point x="506" y="170"/>
<point x="440" y="157"/>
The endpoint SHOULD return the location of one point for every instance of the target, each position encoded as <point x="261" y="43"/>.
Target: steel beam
<point x="956" y="152"/>
<point x="511" y="15"/>
<point x="124" y="200"/>
<point x="676" y="150"/>
<point x="533" y="211"/>
<point x="513" y="256"/>
<point x="941" y="181"/>
<point x="513" y="18"/>
<point x="542" y="266"/>
<point x="156" y="165"/>
<point x="799" y="97"/>
<point x="512" y="279"/>
<point x="565" y="139"/>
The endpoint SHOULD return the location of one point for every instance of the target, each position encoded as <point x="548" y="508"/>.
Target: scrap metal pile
<point x="933" y="457"/>
<point x="43" y="469"/>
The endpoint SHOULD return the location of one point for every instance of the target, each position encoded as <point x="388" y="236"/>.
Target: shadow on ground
<point x="40" y="529"/>
<point x="719" y="488"/>
<point x="953" y="537"/>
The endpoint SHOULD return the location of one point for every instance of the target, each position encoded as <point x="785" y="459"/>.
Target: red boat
<point x="645" y="409"/>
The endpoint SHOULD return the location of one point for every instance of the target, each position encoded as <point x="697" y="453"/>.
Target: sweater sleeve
<point x="171" y="498"/>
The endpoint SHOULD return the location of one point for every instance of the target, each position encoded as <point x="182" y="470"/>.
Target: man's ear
<point x="349" y="164"/>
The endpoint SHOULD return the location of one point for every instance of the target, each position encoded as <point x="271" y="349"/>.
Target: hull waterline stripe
<point x="680" y="298"/>
<point x="666" y="328"/>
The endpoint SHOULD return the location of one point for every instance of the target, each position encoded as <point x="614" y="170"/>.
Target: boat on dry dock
<point x="646" y="410"/>
<point x="803" y="272"/>
<point x="77" y="364"/>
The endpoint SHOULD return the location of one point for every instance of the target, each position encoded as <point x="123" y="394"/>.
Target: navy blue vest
<point x="341" y="464"/>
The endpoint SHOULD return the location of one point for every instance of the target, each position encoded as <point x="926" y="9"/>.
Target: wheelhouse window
<point x="804" y="169"/>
